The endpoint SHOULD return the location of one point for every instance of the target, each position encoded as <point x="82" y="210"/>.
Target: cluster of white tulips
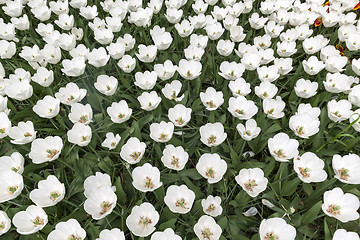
<point x="73" y="36"/>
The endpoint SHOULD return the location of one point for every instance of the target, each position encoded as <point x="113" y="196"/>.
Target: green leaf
<point x="311" y="214"/>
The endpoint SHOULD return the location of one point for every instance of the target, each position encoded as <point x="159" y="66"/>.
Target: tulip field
<point x="179" y="119"/>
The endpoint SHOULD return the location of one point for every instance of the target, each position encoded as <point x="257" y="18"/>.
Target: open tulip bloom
<point x="179" y="119"/>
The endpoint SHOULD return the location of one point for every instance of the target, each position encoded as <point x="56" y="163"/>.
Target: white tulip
<point x="179" y="199"/>
<point x="146" y="178"/>
<point x="49" y="192"/>
<point x="30" y="221"/>
<point x="45" y="150"/>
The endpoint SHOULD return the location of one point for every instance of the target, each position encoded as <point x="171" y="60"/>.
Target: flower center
<point x="180" y="121"/>
<point x="344" y="174"/>
<point x="189" y="74"/>
<point x="121" y="115"/>
<point x="175" y="161"/>
<point x="337" y="113"/>
<point x="27" y="134"/>
<point x="15" y="169"/>
<point x="300" y="130"/>
<point x="70" y="98"/>
<point x="334" y="209"/>
<point x="211" y="104"/>
<point x="211" y="208"/>
<point x="181" y="203"/>
<point x="210" y="172"/>
<point x="2" y="225"/>
<point x="250" y="184"/>
<point x="83" y="119"/>
<point x="211" y="139"/>
<point x="51" y="153"/>
<point x="135" y="155"/>
<point x="304" y="172"/>
<point x="12" y="189"/>
<point x="148" y="183"/>
<point x="54" y="195"/>
<point x="163" y="136"/>
<point x="271" y="236"/>
<point x="270" y="111"/>
<point x="145" y="221"/>
<point x="173" y="95"/>
<point x="265" y="94"/>
<point x="38" y="221"/>
<point x="240" y="111"/>
<point x="280" y="153"/>
<point x="105" y="207"/>
<point x="74" y="237"/>
<point x="83" y="138"/>
<point x="206" y="233"/>
<point x="2" y="130"/>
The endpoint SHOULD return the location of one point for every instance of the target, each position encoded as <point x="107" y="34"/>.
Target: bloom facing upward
<point x="212" y="206"/>
<point x="252" y="181"/>
<point x="276" y="228"/>
<point x="342" y="234"/>
<point x="149" y="101"/>
<point x="142" y="220"/>
<point x="167" y="234"/>
<point x="189" y="70"/>
<point x="32" y="220"/>
<point x="206" y="228"/>
<point x="310" y="168"/>
<point x="95" y="182"/>
<point x="211" y="167"/>
<point x="212" y="134"/>
<point x="282" y="148"/>
<point x="133" y="150"/>
<point x="146" y="178"/>
<point x="212" y="99"/>
<point x="100" y="202"/>
<point x="274" y="107"/>
<point x="106" y="84"/>
<point x="80" y="134"/>
<point x="242" y="108"/>
<point x="12" y="185"/>
<point x="249" y="131"/>
<point x="14" y="162"/>
<point x="161" y="132"/>
<point x="339" y="111"/>
<point x="179" y="199"/>
<point x="49" y="192"/>
<point x="266" y="90"/>
<point x="119" y="112"/>
<point x="341" y="206"/>
<point x="304" y="125"/>
<point x="346" y="168"/>
<point x="71" y="229"/>
<point x="174" y="157"/>
<point x="179" y="115"/>
<point x="111" y="141"/>
<point x="172" y="90"/>
<point x="305" y="88"/>
<point x="113" y="234"/>
<point x="81" y="113"/>
<point x="70" y="94"/>
<point x="45" y="150"/>
<point x="48" y="107"/>
<point x="23" y="133"/>
<point x="5" y="223"/>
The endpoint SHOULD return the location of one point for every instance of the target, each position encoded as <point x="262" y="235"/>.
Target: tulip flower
<point x="212" y="206"/>
<point x="49" y="192"/>
<point x="179" y="199"/>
